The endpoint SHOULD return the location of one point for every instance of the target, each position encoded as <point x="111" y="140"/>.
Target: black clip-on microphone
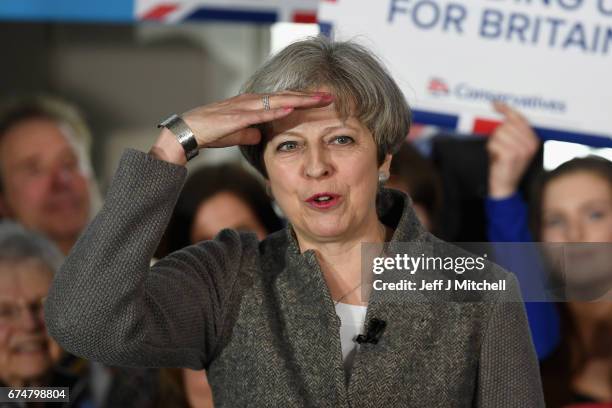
<point x="374" y="332"/>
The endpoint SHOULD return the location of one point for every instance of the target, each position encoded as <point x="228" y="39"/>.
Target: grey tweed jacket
<point x="259" y="316"/>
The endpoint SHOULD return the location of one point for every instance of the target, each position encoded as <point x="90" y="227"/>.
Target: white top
<point x="352" y="318"/>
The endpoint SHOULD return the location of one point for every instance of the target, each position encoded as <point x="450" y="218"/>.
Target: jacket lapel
<point x="311" y="327"/>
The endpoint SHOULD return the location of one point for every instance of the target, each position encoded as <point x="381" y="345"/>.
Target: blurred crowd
<point x="48" y="194"/>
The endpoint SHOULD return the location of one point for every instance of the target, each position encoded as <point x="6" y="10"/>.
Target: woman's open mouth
<point x="324" y="201"/>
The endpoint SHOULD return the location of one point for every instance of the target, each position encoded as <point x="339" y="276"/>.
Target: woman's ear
<point x="385" y="167"/>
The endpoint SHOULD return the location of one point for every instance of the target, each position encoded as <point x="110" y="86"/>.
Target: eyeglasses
<point x="13" y="313"/>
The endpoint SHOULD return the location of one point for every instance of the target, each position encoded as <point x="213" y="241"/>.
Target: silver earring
<point x="268" y="190"/>
<point x="383" y="177"/>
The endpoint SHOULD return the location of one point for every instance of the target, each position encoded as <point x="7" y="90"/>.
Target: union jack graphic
<point x="257" y="11"/>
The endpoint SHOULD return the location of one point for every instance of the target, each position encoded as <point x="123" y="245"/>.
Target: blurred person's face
<point x="577" y="207"/>
<point x="44" y="186"/>
<point x="577" y="211"/>
<point x="323" y="173"/>
<point x="26" y="351"/>
<point x="224" y="210"/>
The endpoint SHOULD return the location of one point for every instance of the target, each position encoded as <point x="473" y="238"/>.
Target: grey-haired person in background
<point x="28" y="355"/>
<point x="46" y="179"/>
<point x="277" y="322"/>
<point x="47" y="185"/>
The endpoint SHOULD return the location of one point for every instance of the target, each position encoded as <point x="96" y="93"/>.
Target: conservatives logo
<point x="439" y="88"/>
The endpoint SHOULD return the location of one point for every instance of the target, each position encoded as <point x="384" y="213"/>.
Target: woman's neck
<point x="594" y="381"/>
<point x="592" y="322"/>
<point x="589" y="317"/>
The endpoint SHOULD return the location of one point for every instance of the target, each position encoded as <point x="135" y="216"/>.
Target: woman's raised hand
<point x="229" y="122"/>
<point x="511" y="148"/>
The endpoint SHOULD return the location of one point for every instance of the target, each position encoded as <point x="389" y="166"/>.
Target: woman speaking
<point x="283" y="322"/>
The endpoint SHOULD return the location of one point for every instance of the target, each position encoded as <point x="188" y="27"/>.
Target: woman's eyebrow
<point x="325" y="130"/>
<point x="547" y="213"/>
<point x="595" y="203"/>
<point x="285" y="134"/>
<point x="333" y="128"/>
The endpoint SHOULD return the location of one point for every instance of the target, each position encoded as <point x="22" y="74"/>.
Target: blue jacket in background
<point x="507" y="221"/>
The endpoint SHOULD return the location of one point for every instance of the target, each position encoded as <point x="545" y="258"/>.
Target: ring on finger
<point x="266" y="102"/>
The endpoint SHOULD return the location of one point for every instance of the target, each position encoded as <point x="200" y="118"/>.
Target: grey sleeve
<point x="107" y="304"/>
<point x="509" y="375"/>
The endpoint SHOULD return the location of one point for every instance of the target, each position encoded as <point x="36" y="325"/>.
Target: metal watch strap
<point x="183" y="134"/>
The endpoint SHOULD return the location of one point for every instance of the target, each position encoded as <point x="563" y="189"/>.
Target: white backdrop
<point x="551" y="59"/>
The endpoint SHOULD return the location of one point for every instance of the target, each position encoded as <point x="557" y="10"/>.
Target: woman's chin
<point x="326" y="231"/>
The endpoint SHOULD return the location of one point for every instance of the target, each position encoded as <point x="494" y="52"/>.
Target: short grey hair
<point x="19" y="245"/>
<point x="361" y="86"/>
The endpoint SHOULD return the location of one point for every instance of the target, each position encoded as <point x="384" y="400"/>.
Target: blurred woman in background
<point x="218" y="197"/>
<point x="27" y="264"/>
<point x="28" y="355"/>
<point x="571" y="204"/>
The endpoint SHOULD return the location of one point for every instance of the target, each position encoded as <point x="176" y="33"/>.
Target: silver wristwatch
<point x="183" y="134"/>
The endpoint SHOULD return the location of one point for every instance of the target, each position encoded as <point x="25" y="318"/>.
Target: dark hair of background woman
<point x="421" y="179"/>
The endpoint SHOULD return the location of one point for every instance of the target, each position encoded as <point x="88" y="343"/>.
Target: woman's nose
<point x="317" y="163"/>
<point x="576" y="232"/>
<point x="62" y="176"/>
